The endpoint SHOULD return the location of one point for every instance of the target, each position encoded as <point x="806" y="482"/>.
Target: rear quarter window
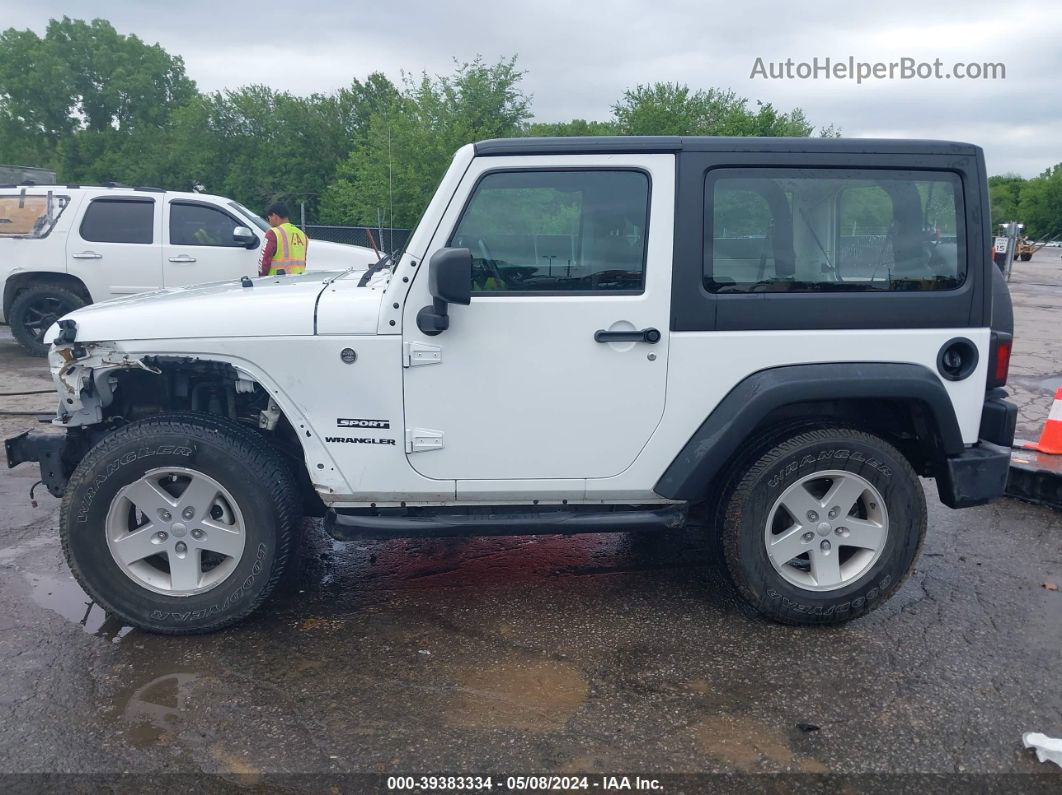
<point x="833" y="230"/>
<point x="30" y="214"/>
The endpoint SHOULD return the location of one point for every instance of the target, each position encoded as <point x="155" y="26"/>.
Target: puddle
<point x="65" y="597"/>
<point x="537" y="696"/>
<point x="153" y="711"/>
<point x="750" y="745"/>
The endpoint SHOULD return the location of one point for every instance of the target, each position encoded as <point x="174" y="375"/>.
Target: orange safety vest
<point x="290" y="255"/>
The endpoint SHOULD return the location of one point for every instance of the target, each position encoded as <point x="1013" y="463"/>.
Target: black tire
<point x="752" y="490"/>
<point x="35" y="309"/>
<point x="255" y="474"/>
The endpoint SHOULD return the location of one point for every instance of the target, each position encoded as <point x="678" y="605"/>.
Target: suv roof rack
<point x="77" y="186"/>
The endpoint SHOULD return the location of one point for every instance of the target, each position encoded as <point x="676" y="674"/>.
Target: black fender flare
<point x="739" y="413"/>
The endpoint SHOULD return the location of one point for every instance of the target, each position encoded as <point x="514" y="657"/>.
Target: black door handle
<point x="650" y="335"/>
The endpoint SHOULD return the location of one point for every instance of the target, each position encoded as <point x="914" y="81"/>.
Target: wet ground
<point x="607" y="653"/>
<point x="1036" y="367"/>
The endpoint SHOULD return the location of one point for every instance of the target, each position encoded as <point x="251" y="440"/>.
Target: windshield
<point x="254" y="219"/>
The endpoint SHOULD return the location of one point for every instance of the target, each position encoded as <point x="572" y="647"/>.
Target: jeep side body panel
<point x="601" y="333"/>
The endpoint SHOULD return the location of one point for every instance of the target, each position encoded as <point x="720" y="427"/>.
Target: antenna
<point x="390" y="197"/>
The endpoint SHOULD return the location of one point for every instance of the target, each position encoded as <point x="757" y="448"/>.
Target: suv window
<point x="198" y="225"/>
<point x="557" y="231"/>
<point x="119" y="221"/>
<point x="30" y="215"/>
<point x="819" y="230"/>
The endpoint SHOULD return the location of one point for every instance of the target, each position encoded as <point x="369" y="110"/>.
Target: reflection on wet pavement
<point x="565" y="653"/>
<point x="153" y="711"/>
<point x="65" y="597"/>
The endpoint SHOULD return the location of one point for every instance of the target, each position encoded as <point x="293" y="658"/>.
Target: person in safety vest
<point x="285" y="244"/>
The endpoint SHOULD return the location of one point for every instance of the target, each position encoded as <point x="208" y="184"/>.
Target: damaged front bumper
<point x="84" y="379"/>
<point x="57" y="454"/>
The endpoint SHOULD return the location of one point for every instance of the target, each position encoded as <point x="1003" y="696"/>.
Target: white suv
<point x="777" y="336"/>
<point x="64" y="246"/>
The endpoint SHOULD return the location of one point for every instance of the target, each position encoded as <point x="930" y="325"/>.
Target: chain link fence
<point x="387" y="239"/>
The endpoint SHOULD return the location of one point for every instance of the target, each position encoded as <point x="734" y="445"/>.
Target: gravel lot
<point x="608" y="653"/>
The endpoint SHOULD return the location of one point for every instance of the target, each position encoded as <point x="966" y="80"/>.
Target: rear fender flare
<point x="744" y="408"/>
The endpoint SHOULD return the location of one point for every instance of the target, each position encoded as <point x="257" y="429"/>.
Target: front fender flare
<point x="738" y="414"/>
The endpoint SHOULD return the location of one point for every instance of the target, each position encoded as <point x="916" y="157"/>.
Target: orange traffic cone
<point x="1051" y="438"/>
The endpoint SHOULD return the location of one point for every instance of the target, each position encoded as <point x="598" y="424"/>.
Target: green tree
<point x="265" y="145"/>
<point x="1005" y="194"/>
<point x="82" y="79"/>
<point x="676" y="109"/>
<point x="1040" y="204"/>
<point x="575" y="127"/>
<point x="359" y="103"/>
<point x="410" y="142"/>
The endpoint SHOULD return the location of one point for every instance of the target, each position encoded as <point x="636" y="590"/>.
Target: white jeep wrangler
<point x="778" y="336"/>
<point x="65" y="246"/>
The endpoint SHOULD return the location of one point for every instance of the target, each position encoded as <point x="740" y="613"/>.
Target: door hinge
<point x="415" y="354"/>
<point x="421" y="440"/>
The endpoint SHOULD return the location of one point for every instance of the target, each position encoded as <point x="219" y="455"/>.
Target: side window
<point x="119" y="221"/>
<point x="199" y="225"/>
<point x="30" y="215"/>
<point x="557" y="231"/>
<point x="743" y="246"/>
<point x="832" y="230"/>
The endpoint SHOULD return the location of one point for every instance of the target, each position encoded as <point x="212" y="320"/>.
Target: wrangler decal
<point x="357" y="440"/>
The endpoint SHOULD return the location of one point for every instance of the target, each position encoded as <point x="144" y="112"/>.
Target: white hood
<point x="271" y="306"/>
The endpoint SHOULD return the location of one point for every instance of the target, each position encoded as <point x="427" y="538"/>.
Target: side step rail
<point x="426" y="523"/>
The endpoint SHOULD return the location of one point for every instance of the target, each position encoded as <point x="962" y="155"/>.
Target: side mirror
<point x="245" y="237"/>
<point x="449" y="282"/>
<point x="450" y="275"/>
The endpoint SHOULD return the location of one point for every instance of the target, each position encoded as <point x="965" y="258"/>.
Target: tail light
<point x="999" y="360"/>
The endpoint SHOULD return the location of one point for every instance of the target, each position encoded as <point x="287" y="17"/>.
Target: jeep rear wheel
<point x="822" y="526"/>
<point x="35" y="310"/>
<point x="181" y="523"/>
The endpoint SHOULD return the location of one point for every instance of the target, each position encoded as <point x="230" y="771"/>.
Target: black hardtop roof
<point x="610" y="144"/>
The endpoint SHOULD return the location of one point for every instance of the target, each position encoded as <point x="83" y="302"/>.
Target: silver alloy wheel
<point x="826" y="530"/>
<point x="175" y="531"/>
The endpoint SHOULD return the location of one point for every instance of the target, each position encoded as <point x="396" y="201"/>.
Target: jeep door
<point x="200" y="246"/>
<point x="117" y="245"/>
<point x="557" y="368"/>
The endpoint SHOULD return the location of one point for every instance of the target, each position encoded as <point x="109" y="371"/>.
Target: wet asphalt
<point x="598" y="653"/>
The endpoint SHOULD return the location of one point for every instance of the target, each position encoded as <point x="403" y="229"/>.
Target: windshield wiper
<point x="381" y="263"/>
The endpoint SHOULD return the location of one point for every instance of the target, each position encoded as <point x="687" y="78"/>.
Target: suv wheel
<point x="823" y="526"/>
<point x="180" y="523"/>
<point x="35" y="309"/>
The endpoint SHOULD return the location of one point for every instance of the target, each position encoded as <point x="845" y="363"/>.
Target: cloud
<point x="580" y="56"/>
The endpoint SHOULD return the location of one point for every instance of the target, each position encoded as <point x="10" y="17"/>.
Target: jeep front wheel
<point x="34" y="311"/>
<point x="180" y="523"/>
<point x="823" y="526"/>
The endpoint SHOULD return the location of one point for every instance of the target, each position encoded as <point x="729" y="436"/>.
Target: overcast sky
<point x="581" y="54"/>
